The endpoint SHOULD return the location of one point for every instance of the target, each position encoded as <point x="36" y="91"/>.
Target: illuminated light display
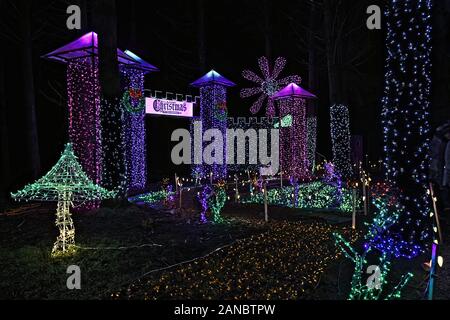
<point x="311" y="125"/>
<point x="134" y="131"/>
<point x="378" y="241"/>
<point x="86" y="118"/>
<point x="83" y="90"/>
<point x="286" y="122"/>
<point x="405" y="119"/>
<point x="268" y="84"/>
<point x="361" y="290"/>
<point x="132" y="82"/>
<point x="293" y="139"/>
<point x="299" y="252"/>
<point x="133" y="101"/>
<point x="340" y="137"/>
<point x="313" y="195"/>
<point x="203" y="197"/>
<point x="217" y="201"/>
<point x="67" y="184"/>
<point x="245" y="124"/>
<point x="154" y="197"/>
<point x="213" y="115"/>
<point x="212" y="199"/>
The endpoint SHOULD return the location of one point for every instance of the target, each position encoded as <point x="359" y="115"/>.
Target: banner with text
<point x="173" y="108"/>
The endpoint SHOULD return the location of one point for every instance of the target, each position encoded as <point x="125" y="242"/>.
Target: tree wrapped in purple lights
<point x="293" y="139"/>
<point x="268" y="84"/>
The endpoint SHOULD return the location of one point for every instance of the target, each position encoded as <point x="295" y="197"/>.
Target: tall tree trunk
<point x="31" y="131"/>
<point x="267" y="11"/>
<point x="313" y="52"/>
<point x="332" y="51"/>
<point x="201" y="37"/>
<point x="441" y="65"/>
<point x="133" y="26"/>
<point x="4" y="143"/>
<point x="106" y="25"/>
<point x="114" y="169"/>
<point x="85" y="25"/>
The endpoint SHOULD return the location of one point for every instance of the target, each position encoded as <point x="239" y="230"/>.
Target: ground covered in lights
<point x="285" y="262"/>
<point x="131" y="252"/>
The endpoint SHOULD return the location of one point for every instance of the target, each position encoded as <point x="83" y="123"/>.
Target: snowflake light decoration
<point x="268" y="85"/>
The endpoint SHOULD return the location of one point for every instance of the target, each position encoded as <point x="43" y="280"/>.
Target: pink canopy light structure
<point x="84" y="103"/>
<point x="293" y="90"/>
<point x="293" y="139"/>
<point x="87" y="46"/>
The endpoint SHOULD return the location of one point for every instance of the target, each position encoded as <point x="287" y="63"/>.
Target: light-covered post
<point x="266" y="213"/>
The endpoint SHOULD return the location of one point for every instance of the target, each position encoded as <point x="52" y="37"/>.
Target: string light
<point x="294" y="153"/>
<point x="360" y="289"/>
<point x="405" y="119"/>
<point x="313" y="195"/>
<point x="133" y="102"/>
<point x="377" y="241"/>
<point x="311" y="124"/>
<point x="67" y="184"/>
<point x="245" y="124"/>
<point x="213" y="115"/>
<point x="299" y="252"/>
<point x="340" y="137"/>
<point x="268" y="84"/>
<point x="293" y="139"/>
<point x="83" y="91"/>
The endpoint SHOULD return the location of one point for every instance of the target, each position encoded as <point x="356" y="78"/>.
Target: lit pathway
<point x="283" y="263"/>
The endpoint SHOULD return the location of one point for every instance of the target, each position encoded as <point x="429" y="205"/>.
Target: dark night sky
<point x="166" y="36"/>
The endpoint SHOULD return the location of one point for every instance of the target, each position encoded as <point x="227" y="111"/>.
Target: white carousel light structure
<point x="67" y="184"/>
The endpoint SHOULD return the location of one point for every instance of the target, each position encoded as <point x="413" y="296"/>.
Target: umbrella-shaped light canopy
<point x="143" y="65"/>
<point x="65" y="179"/>
<point x="212" y="77"/>
<point x="87" y="46"/>
<point x="293" y="90"/>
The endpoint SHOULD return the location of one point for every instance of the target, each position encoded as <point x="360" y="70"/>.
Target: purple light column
<point x="83" y="90"/>
<point x="293" y="139"/>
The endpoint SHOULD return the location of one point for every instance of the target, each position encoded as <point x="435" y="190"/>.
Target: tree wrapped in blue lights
<point x="213" y="115"/>
<point x="405" y="119"/>
<point x="133" y="103"/>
